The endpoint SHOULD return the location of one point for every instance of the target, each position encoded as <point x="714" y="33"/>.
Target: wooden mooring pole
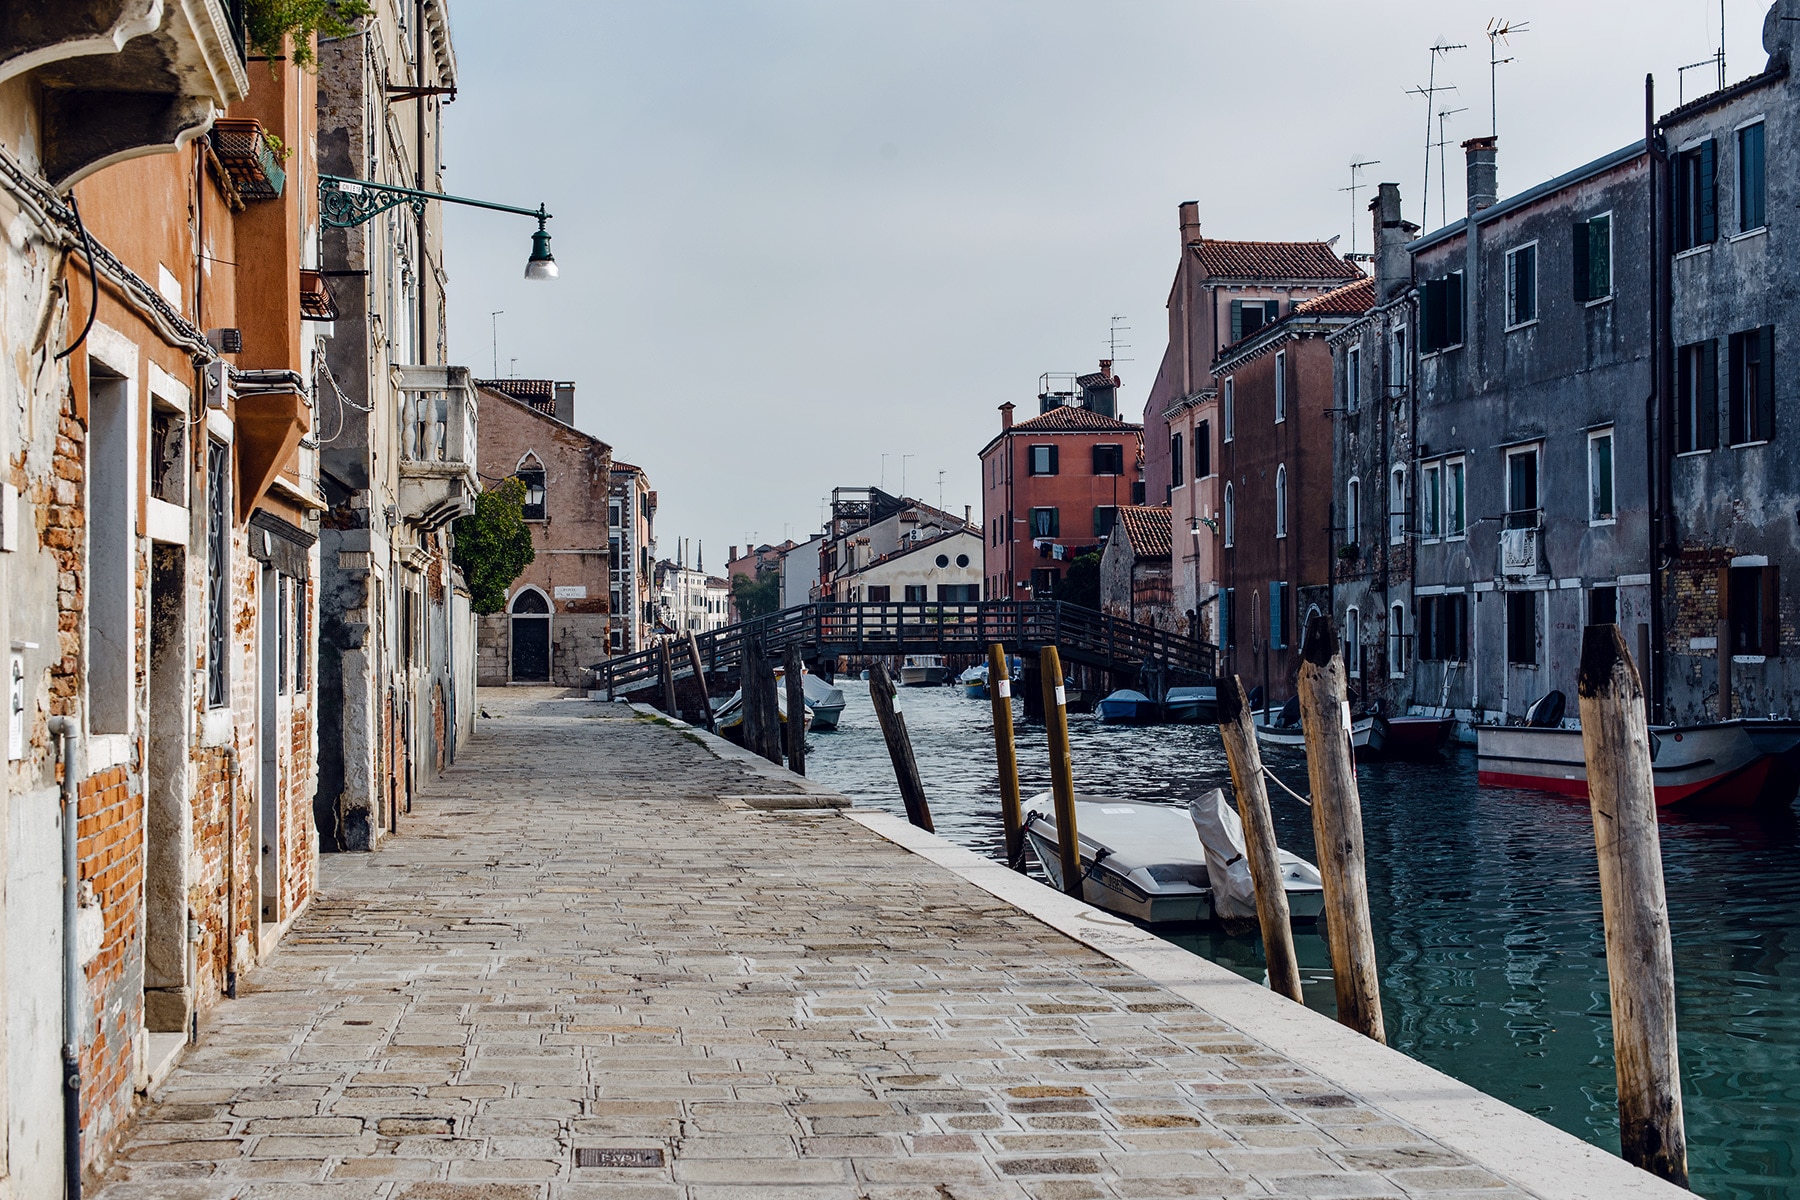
<point x="762" y="733"/>
<point x="1062" y="770"/>
<point x="1640" y="965"/>
<point x="1337" y="829"/>
<point x="706" y="709"/>
<point x="666" y="669"/>
<point x="1006" y="755"/>
<point x="893" y="730"/>
<point x="794" y="676"/>
<point x="1245" y="759"/>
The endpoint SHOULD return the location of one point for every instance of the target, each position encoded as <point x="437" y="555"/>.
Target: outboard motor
<point x="1547" y="713"/>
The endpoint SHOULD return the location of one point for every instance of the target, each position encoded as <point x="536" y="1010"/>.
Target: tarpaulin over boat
<point x="1222" y="838"/>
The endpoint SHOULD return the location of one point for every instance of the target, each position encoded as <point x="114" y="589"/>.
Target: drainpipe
<point x="231" y="858"/>
<point x="1660" y="411"/>
<point x="69" y="733"/>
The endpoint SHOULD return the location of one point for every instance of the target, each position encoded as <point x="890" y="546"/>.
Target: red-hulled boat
<point x="1414" y="737"/>
<point x="1745" y="763"/>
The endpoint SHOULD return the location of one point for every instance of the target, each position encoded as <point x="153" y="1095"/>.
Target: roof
<point x="1097" y="379"/>
<point x="521" y="389"/>
<point x="1272" y="260"/>
<point x="1599" y="166"/>
<point x="1147" y="529"/>
<point x="1351" y="300"/>
<point x="1072" y="418"/>
<point x="1778" y="70"/>
<point x="914" y="548"/>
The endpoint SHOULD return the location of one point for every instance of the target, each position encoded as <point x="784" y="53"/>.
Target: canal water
<point x="1486" y="908"/>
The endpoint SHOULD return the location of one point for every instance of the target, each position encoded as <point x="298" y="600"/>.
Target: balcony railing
<point x="438" y="416"/>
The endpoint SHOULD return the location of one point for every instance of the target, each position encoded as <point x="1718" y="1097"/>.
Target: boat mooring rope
<point x="1284" y="787"/>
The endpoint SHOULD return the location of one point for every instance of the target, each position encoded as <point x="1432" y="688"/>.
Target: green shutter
<point x="1599" y="257"/>
<point x="1453" y="309"/>
<point x="1055" y="467"/>
<point x="1237" y="321"/>
<point x="1709" y="192"/>
<point x="1765" y="384"/>
<point x="1578" y="239"/>
<point x="1275" y="630"/>
<point x="1272" y="310"/>
<point x="1706" y="437"/>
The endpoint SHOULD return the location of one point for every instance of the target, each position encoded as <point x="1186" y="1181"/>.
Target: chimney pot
<point x="1190" y="222"/>
<point x="1393" y="271"/>
<point x="1484" y="173"/>
<point x="1006" y="412"/>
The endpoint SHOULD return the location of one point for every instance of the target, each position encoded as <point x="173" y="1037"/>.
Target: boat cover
<point x="820" y="694"/>
<point x="1222" y="838"/>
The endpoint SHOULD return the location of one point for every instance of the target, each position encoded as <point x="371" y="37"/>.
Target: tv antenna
<point x="1430" y="91"/>
<point x="1352" y="189"/>
<point x="495" y="318"/>
<point x="1499" y="30"/>
<point x="1443" y="178"/>
<point x="940" y="491"/>
<point x="1113" y="344"/>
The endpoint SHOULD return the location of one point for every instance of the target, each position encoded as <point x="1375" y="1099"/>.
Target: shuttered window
<point x="1521" y="285"/>
<point x="1696" y="196"/>
<point x="1278" y="607"/>
<point x="1109" y="460"/>
<point x="1752" y="393"/>
<point x="1750" y="600"/>
<point x="1441" y="313"/>
<point x="1697" y="397"/>
<point x="1592" y="258"/>
<point x="1248" y="316"/>
<point x="1042" y="460"/>
<point x="1750" y="178"/>
<point x="1202" y="449"/>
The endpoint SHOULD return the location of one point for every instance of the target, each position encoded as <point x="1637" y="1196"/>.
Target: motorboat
<point x="1282" y="727"/>
<point x="1153" y="863"/>
<point x="923" y="670"/>
<point x="974" y="682"/>
<point x="824" y="703"/>
<point x="1413" y="736"/>
<point x="1128" y="707"/>
<point x="1748" y="762"/>
<point x="728" y="717"/>
<point x="1192" y="705"/>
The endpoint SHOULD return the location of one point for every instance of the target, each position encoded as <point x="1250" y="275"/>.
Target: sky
<point x="809" y="244"/>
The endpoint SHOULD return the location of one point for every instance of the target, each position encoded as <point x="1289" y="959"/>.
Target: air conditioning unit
<point x="1519" y="552"/>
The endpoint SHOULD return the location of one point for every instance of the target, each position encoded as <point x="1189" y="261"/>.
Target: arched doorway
<point x="530" y="637"/>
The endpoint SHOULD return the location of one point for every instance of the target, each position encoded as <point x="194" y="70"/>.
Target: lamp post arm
<point x="346" y="203"/>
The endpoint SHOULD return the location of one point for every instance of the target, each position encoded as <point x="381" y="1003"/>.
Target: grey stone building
<point x="1729" y="519"/>
<point x="1525" y="497"/>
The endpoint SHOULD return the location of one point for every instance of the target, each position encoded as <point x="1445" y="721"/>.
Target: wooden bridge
<point x="826" y="630"/>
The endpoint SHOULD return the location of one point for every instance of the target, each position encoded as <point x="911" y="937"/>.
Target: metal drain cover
<point x="610" y="1156"/>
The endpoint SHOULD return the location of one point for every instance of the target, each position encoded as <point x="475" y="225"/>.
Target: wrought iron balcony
<point x="438" y="413"/>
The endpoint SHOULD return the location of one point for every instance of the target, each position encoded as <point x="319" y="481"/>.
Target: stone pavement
<point x="575" y="945"/>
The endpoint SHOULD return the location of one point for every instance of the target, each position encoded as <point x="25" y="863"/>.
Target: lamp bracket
<point x="347" y="203"/>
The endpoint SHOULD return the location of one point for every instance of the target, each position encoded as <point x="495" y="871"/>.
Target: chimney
<point x="1190" y="222"/>
<point x="565" y="403"/>
<point x="1484" y="174"/>
<point x="1006" y="412"/>
<point x="968" y="514"/>
<point x="1393" y="268"/>
<point x="734" y="555"/>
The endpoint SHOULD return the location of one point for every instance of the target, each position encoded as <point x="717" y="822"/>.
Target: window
<point x="1397" y="363"/>
<point x="1696" y="202"/>
<point x="1750" y="178"/>
<point x="1593" y="258"/>
<point x="1751" y="601"/>
<point x="1281" y="501"/>
<point x="1109" y="460"/>
<point x="612" y="513"/>
<point x="1603" y="605"/>
<point x="1752" y="392"/>
<point x="1248" y="316"/>
<point x="1456" y="522"/>
<point x="1353" y="642"/>
<point x="1441" y="313"/>
<point x="1352" y="379"/>
<point x="1228" y="408"/>
<point x="218" y="579"/>
<point x="1280" y="386"/>
<point x="1175" y="477"/>
<point x="1397" y="506"/>
<point x="109" y="575"/>
<point x="1043" y="582"/>
<point x="1522" y="488"/>
<point x="1044" y="523"/>
<point x="1396" y="641"/>
<point x="942" y="560"/>
<point x="1041" y="460"/>
<point x="915" y="593"/>
<point x="533" y="479"/>
<point x="168" y="454"/>
<point x="1697" y="397"/>
<point x="1521" y="629"/>
<point x="1203" y="450"/>
<point x="879" y="593"/>
<point x="958" y="593"/>
<point x="1431" y="502"/>
<point x="1278" y="628"/>
<point x="302" y="658"/>
<point x="1600" y="477"/>
<point x="1521" y="286"/>
<point x="282" y="648"/>
<point x="1230" y="517"/>
<point x="1228" y="617"/>
<point x="1353" y="511"/>
<point x="1105" y="515"/>
<point x="1441" y="627"/>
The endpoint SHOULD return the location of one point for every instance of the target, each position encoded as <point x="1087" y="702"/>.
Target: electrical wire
<point x="87" y="245"/>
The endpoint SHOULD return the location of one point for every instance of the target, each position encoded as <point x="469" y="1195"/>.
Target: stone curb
<point x="798" y="791"/>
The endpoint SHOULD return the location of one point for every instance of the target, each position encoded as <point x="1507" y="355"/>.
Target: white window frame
<point x="1612" y="273"/>
<point x="1594" y="435"/>
<point x="1280" y="386"/>
<point x="1353" y="642"/>
<point x="1536" y="450"/>
<point x="1401" y="372"/>
<point x="1230" y="518"/>
<point x="1737" y="177"/>
<point x="1353" y="509"/>
<point x="1457" y="467"/>
<point x="1537" y="270"/>
<point x="1228" y="408"/>
<point x="1396" y="647"/>
<point x="1397" y="505"/>
<point x="1431" y="501"/>
<point x="1353" y="379"/>
<point x="1281" y="501"/>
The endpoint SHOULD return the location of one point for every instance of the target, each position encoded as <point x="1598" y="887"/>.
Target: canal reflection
<point x="1486" y="908"/>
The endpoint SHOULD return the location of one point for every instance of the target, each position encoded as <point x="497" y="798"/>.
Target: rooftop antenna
<point x="1499" y="30"/>
<point x="940" y="491"/>
<point x="1352" y="189"/>
<point x="1721" y="45"/>
<point x="1430" y="91"/>
<point x="1443" y="176"/>
<point x="884" y="459"/>
<point x="512" y="367"/>
<point x="495" y="318"/>
<point x="1113" y="344"/>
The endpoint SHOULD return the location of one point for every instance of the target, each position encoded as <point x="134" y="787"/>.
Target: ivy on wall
<point x="493" y="545"/>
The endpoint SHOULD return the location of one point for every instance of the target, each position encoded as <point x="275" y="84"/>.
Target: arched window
<point x="1397" y="506"/>
<point x="530" y="472"/>
<point x="1353" y="511"/>
<point x="1230" y="517"/>
<point x="1353" y="642"/>
<point x="1281" y="501"/>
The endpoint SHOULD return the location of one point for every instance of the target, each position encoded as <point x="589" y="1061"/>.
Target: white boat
<point x="923" y="670"/>
<point x="1283" y="728"/>
<point x="824" y="701"/>
<point x="974" y="682"/>
<point x="728" y="717"/>
<point x="1148" y="862"/>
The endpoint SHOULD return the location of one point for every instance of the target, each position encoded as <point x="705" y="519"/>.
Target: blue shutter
<point x="1578" y="239"/>
<point x="1709" y="192"/>
<point x="1276" y="640"/>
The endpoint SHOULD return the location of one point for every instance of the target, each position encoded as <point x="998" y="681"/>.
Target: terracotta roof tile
<point x="1272" y="260"/>
<point x="1351" y="300"/>
<point x="1147" y="528"/>
<point x="521" y="389"/>
<point x="1072" y="418"/>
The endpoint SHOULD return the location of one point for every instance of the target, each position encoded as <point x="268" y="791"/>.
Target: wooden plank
<point x="1260" y="849"/>
<point x="794" y="675"/>
<point x="1640" y="964"/>
<point x="1006" y="756"/>
<point x="1337" y="829"/>
<point x="899" y="745"/>
<point x="665" y="667"/>
<point x="1062" y="773"/>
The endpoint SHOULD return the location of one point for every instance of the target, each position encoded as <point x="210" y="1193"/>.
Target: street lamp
<point x="346" y="203"/>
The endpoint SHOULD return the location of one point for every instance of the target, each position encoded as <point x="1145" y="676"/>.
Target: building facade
<point x="868" y="526"/>
<point x="558" y="616"/>
<point x="942" y="566"/>
<point x="631" y="536"/>
<point x="688" y="600"/>
<point x="1136" y="578"/>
